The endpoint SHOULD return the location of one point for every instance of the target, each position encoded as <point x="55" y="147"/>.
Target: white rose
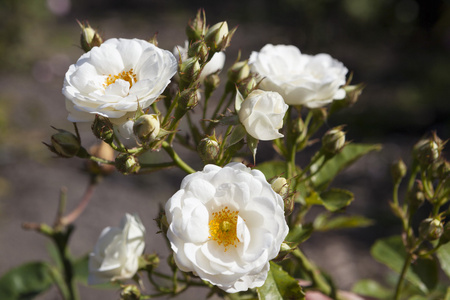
<point x="312" y="81"/>
<point x="114" y="79"/>
<point x="214" y="65"/>
<point x="262" y="114"/>
<point x="116" y="253"/>
<point x="225" y="225"/>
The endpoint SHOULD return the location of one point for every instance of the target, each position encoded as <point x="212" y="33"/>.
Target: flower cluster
<point x="236" y="224"/>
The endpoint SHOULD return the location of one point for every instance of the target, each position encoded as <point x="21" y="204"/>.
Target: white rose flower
<point x="262" y="114"/>
<point x="312" y="81"/>
<point x="116" y="252"/>
<point x="214" y="65"/>
<point x="225" y="224"/>
<point x="114" y="79"/>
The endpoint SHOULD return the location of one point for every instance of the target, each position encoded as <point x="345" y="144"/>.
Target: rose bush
<point x="225" y="224"/>
<point x="112" y="80"/>
<point x="116" y="253"/>
<point x="262" y="114"/>
<point x="309" y="80"/>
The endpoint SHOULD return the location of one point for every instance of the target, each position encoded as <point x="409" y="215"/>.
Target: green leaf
<point x="323" y="222"/>
<point x="26" y="281"/>
<point x="272" y="168"/>
<point x="371" y="288"/>
<point x="443" y="254"/>
<point x="336" y="199"/>
<point x="279" y="286"/>
<point x="391" y="252"/>
<point x="313" y="199"/>
<point x="80" y="268"/>
<point x="299" y="233"/>
<point x="447" y="295"/>
<point x="339" y="162"/>
<point x="236" y="135"/>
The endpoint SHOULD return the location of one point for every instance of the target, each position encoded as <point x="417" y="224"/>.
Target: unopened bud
<point x="130" y="292"/>
<point x="426" y="152"/>
<point x="188" y="99"/>
<point x="103" y="129"/>
<point x="190" y="70"/>
<point x="127" y="164"/>
<point x="211" y="82"/>
<point x="104" y="151"/>
<point x="218" y="38"/>
<point x="431" y="229"/>
<point x="238" y="71"/>
<point x="65" y="144"/>
<point x="146" y="128"/>
<point x="89" y="37"/>
<point x="247" y="85"/>
<point x="199" y="50"/>
<point x="154" y="40"/>
<point x="398" y="170"/>
<point x="196" y="28"/>
<point x="280" y="186"/>
<point x="208" y="149"/>
<point x="352" y="93"/>
<point x="333" y="140"/>
<point x="415" y="197"/>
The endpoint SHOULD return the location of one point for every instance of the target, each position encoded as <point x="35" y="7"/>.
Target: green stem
<point x="401" y="279"/>
<point x="176" y="159"/>
<point x="317" y="279"/>
<point x="61" y="240"/>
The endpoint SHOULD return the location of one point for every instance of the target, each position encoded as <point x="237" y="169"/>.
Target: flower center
<point x="222" y="227"/>
<point x="127" y="76"/>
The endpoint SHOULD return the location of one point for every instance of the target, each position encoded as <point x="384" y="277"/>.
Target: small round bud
<point x="211" y="82"/>
<point x="333" y="140"/>
<point x="352" y="93"/>
<point x="247" y="85"/>
<point x="431" y="229"/>
<point x="238" y="71"/>
<point x="130" y="292"/>
<point x="65" y="144"/>
<point x="415" y="197"/>
<point x="199" y="50"/>
<point x="196" y="28"/>
<point x="127" y="164"/>
<point x="103" y="129"/>
<point x="398" y="170"/>
<point x="89" y="37"/>
<point x="190" y="70"/>
<point x="280" y="186"/>
<point x="426" y="152"/>
<point x="146" y="128"/>
<point x="208" y="149"/>
<point x="217" y="37"/>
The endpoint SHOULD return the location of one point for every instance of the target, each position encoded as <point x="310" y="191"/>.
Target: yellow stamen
<point x="127" y="76"/>
<point x="222" y="227"/>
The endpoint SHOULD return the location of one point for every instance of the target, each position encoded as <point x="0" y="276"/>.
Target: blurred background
<point x="398" y="48"/>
